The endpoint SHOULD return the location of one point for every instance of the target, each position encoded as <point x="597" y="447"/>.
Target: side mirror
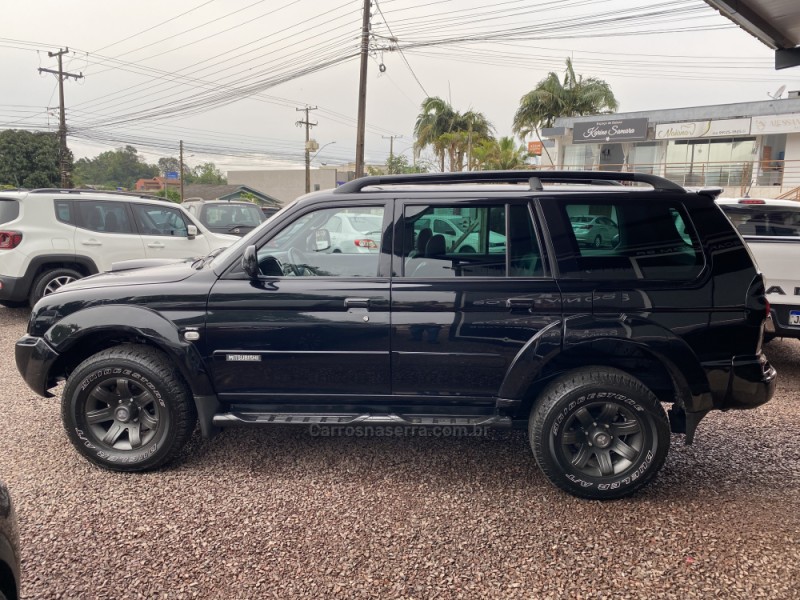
<point x="191" y="231"/>
<point x="250" y="262"/>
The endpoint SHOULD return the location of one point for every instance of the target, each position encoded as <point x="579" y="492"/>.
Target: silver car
<point x="593" y="230"/>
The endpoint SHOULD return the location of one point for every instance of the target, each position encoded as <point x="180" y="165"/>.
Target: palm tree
<point x="502" y="154"/>
<point x="449" y="133"/>
<point x="551" y="99"/>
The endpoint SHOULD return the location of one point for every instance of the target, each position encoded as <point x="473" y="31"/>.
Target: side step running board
<point x="270" y="418"/>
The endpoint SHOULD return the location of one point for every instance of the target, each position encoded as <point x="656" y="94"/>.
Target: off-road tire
<point x="599" y="433"/>
<point x="128" y="409"/>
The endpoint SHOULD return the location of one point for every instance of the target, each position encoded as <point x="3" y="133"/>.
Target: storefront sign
<point x="535" y="148"/>
<point x="601" y="132"/>
<point x="776" y="124"/>
<point x="703" y="129"/>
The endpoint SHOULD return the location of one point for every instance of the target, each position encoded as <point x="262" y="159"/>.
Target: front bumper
<point x="34" y="359"/>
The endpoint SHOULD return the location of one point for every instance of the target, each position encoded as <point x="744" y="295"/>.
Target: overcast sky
<point x="226" y="76"/>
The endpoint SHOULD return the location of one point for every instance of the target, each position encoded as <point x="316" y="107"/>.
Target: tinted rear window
<point x="765" y="221"/>
<point x="627" y="241"/>
<point x="9" y="210"/>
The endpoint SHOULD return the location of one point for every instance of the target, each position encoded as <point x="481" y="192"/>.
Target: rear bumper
<point x="34" y="359"/>
<point x="13" y="289"/>
<point x="778" y="323"/>
<point x="751" y="382"/>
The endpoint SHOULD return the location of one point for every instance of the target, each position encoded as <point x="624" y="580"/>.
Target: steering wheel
<point x="297" y="262"/>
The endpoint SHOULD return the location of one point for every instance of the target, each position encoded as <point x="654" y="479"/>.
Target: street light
<point x="320" y="150"/>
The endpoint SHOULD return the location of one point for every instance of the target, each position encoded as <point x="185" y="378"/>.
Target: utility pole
<point x="362" y="92"/>
<point x="391" y="139"/>
<point x="62" y="126"/>
<point x="308" y="125"/>
<point x="181" y="173"/>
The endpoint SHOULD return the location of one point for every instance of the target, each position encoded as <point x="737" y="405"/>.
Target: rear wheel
<point x="49" y="281"/>
<point x="127" y="409"/>
<point x="599" y="433"/>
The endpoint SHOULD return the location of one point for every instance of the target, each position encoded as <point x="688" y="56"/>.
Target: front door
<point x="314" y="326"/>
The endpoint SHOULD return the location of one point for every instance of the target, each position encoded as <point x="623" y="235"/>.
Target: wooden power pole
<point x="308" y="125"/>
<point x="66" y="176"/>
<point x="362" y="92"/>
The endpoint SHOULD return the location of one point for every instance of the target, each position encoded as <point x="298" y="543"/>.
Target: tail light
<point x="10" y="239"/>
<point x="751" y="201"/>
<point x="366" y="243"/>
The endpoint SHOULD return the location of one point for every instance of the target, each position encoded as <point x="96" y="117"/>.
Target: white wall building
<point x="749" y="147"/>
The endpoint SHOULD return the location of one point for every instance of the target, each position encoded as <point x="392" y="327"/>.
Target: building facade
<point x="750" y="148"/>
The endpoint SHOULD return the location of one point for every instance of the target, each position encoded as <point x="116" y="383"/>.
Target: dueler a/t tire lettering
<point x="599" y="433"/>
<point x="127" y="409"/>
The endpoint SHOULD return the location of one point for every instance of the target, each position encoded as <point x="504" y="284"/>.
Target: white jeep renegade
<point x="51" y="237"/>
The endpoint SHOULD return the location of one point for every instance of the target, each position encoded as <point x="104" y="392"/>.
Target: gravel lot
<point x="258" y="513"/>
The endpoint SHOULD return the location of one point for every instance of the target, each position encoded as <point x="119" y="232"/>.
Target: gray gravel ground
<point x="257" y="513"/>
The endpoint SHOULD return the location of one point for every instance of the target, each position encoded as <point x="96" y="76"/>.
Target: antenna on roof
<point x="778" y="93"/>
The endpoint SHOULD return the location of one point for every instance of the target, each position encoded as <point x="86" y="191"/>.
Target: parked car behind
<point x="771" y="229"/>
<point x="355" y="233"/>
<point x="594" y="230"/>
<point x="9" y="547"/>
<point x="51" y="237"/>
<point x="229" y="217"/>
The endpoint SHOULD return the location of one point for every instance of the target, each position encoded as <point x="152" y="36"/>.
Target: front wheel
<point x="599" y="433"/>
<point x="598" y="242"/>
<point x="127" y="409"/>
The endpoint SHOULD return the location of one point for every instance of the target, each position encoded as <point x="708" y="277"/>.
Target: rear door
<point x="105" y="232"/>
<point x="460" y="318"/>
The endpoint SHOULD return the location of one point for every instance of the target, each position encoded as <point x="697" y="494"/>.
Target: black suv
<point x="521" y="326"/>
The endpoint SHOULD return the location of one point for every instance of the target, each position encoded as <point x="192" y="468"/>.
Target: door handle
<point x="519" y="303"/>
<point x="91" y="243"/>
<point x="155" y="245"/>
<point x="356" y="302"/>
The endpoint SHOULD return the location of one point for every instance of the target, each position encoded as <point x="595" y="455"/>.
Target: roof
<point x="226" y="192"/>
<point x="775" y="23"/>
<point x="714" y="112"/>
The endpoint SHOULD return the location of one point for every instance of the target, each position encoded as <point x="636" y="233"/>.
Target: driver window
<point x="331" y="242"/>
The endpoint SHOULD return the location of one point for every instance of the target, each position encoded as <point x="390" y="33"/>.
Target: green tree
<point x="30" y="159"/>
<point x="398" y="164"/>
<point x="551" y="98"/>
<point x="115" y="168"/>
<point x="168" y="164"/>
<point x="448" y="133"/>
<point x="169" y="194"/>
<point x="206" y="173"/>
<point x="502" y="154"/>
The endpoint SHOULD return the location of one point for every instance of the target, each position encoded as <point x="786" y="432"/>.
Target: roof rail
<point x="91" y="191"/>
<point x="535" y="179"/>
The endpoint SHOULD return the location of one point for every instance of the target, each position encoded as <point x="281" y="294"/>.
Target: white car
<point x="771" y="229"/>
<point x="49" y="238"/>
<point x="355" y="233"/>
<point x="459" y="234"/>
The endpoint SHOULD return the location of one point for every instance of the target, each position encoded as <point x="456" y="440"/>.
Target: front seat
<point x="435" y="263"/>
